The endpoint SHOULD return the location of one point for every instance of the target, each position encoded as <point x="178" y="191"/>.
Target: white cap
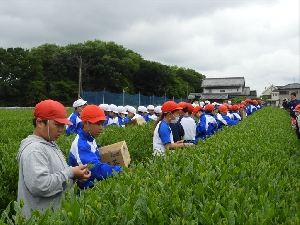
<point x="202" y="103"/>
<point x="121" y="109"/>
<point x="157" y="109"/>
<point x="131" y="109"/>
<point x="105" y="107"/>
<point x="140" y="107"/>
<point x="126" y="107"/>
<point x="113" y="108"/>
<point x="208" y="102"/>
<point x="150" y="107"/>
<point x="79" y="102"/>
<point x="229" y="102"/>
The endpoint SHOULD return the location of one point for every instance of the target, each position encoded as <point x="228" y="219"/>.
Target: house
<point x="271" y="94"/>
<point x="223" y="89"/>
<point x="285" y="91"/>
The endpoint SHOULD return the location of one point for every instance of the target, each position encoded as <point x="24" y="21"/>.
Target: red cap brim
<point x="63" y="121"/>
<point x="96" y="119"/>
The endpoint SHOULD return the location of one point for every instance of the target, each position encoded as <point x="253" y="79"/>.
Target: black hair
<point x="34" y="122"/>
<point x="185" y="109"/>
<point x="162" y="116"/>
<point x="293" y="93"/>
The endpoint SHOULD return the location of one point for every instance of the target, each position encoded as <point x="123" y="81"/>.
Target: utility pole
<point x="123" y="96"/>
<point x="187" y="91"/>
<point x="80" y="78"/>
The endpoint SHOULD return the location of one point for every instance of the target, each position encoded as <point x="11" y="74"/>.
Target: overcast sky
<point x="255" y="39"/>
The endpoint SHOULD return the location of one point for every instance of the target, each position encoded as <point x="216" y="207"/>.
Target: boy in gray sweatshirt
<point x="43" y="171"/>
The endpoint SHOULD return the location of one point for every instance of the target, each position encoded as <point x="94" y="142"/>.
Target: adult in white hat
<point x="74" y="118"/>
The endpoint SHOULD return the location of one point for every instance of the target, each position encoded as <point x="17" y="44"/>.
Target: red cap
<point x="297" y="108"/>
<point x="190" y="107"/>
<point x="92" y="113"/>
<point x="209" y="107"/>
<point x="235" y="107"/>
<point x="223" y="108"/>
<point x="183" y="104"/>
<point x="170" y="106"/>
<point x="197" y="109"/>
<point x="51" y="110"/>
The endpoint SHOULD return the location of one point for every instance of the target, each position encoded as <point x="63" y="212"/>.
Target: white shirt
<point x="189" y="127"/>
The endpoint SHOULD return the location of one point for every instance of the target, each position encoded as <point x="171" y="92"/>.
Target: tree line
<point x="49" y="71"/>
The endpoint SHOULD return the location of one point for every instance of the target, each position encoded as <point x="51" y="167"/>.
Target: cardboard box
<point x="116" y="154"/>
<point x="137" y="121"/>
<point x="243" y="114"/>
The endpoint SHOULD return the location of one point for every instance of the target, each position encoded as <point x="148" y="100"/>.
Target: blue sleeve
<point x="126" y="120"/>
<point x="146" y="118"/>
<point x="120" y="121"/>
<point x="201" y="126"/>
<point x="75" y="127"/>
<point x="248" y="111"/>
<point x="106" y="121"/>
<point x="229" y="121"/>
<point x="164" y="134"/>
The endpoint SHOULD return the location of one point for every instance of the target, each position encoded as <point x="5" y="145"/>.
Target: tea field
<point x="245" y="174"/>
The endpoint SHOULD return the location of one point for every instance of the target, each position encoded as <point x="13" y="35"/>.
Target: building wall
<point x="285" y="93"/>
<point x="222" y="90"/>
<point x="274" y="96"/>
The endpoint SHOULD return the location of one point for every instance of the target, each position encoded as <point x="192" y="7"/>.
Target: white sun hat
<point x="79" y="102"/>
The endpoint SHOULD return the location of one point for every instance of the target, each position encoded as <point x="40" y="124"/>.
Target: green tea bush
<point x="245" y="174"/>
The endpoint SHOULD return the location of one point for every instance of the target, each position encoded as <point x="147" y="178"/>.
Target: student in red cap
<point x="43" y="171"/>
<point x="188" y="123"/>
<point x="224" y="118"/>
<point x="84" y="149"/>
<point x="235" y="112"/>
<point x="201" y="125"/>
<point x="162" y="134"/>
<point x="211" y="122"/>
<point x="297" y="122"/>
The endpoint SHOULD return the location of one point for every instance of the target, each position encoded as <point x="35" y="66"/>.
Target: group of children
<point x="184" y="124"/>
<point x="43" y="172"/>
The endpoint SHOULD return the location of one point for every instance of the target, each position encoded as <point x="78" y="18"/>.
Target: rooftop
<point x="223" y="82"/>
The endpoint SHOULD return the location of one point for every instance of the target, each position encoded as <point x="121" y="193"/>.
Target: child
<point x="84" y="149"/>
<point x="75" y="117"/>
<point x="131" y="111"/>
<point x="222" y="116"/>
<point x="150" y="109"/>
<point x="235" y="112"/>
<point x="211" y="122"/>
<point x="188" y="123"/>
<point x="297" y="125"/>
<point x="162" y="134"/>
<point x="121" y="115"/>
<point x="200" y="128"/>
<point x="112" y="118"/>
<point x="43" y="171"/>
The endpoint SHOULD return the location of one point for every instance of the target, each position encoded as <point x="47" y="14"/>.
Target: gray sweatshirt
<point x="43" y="174"/>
